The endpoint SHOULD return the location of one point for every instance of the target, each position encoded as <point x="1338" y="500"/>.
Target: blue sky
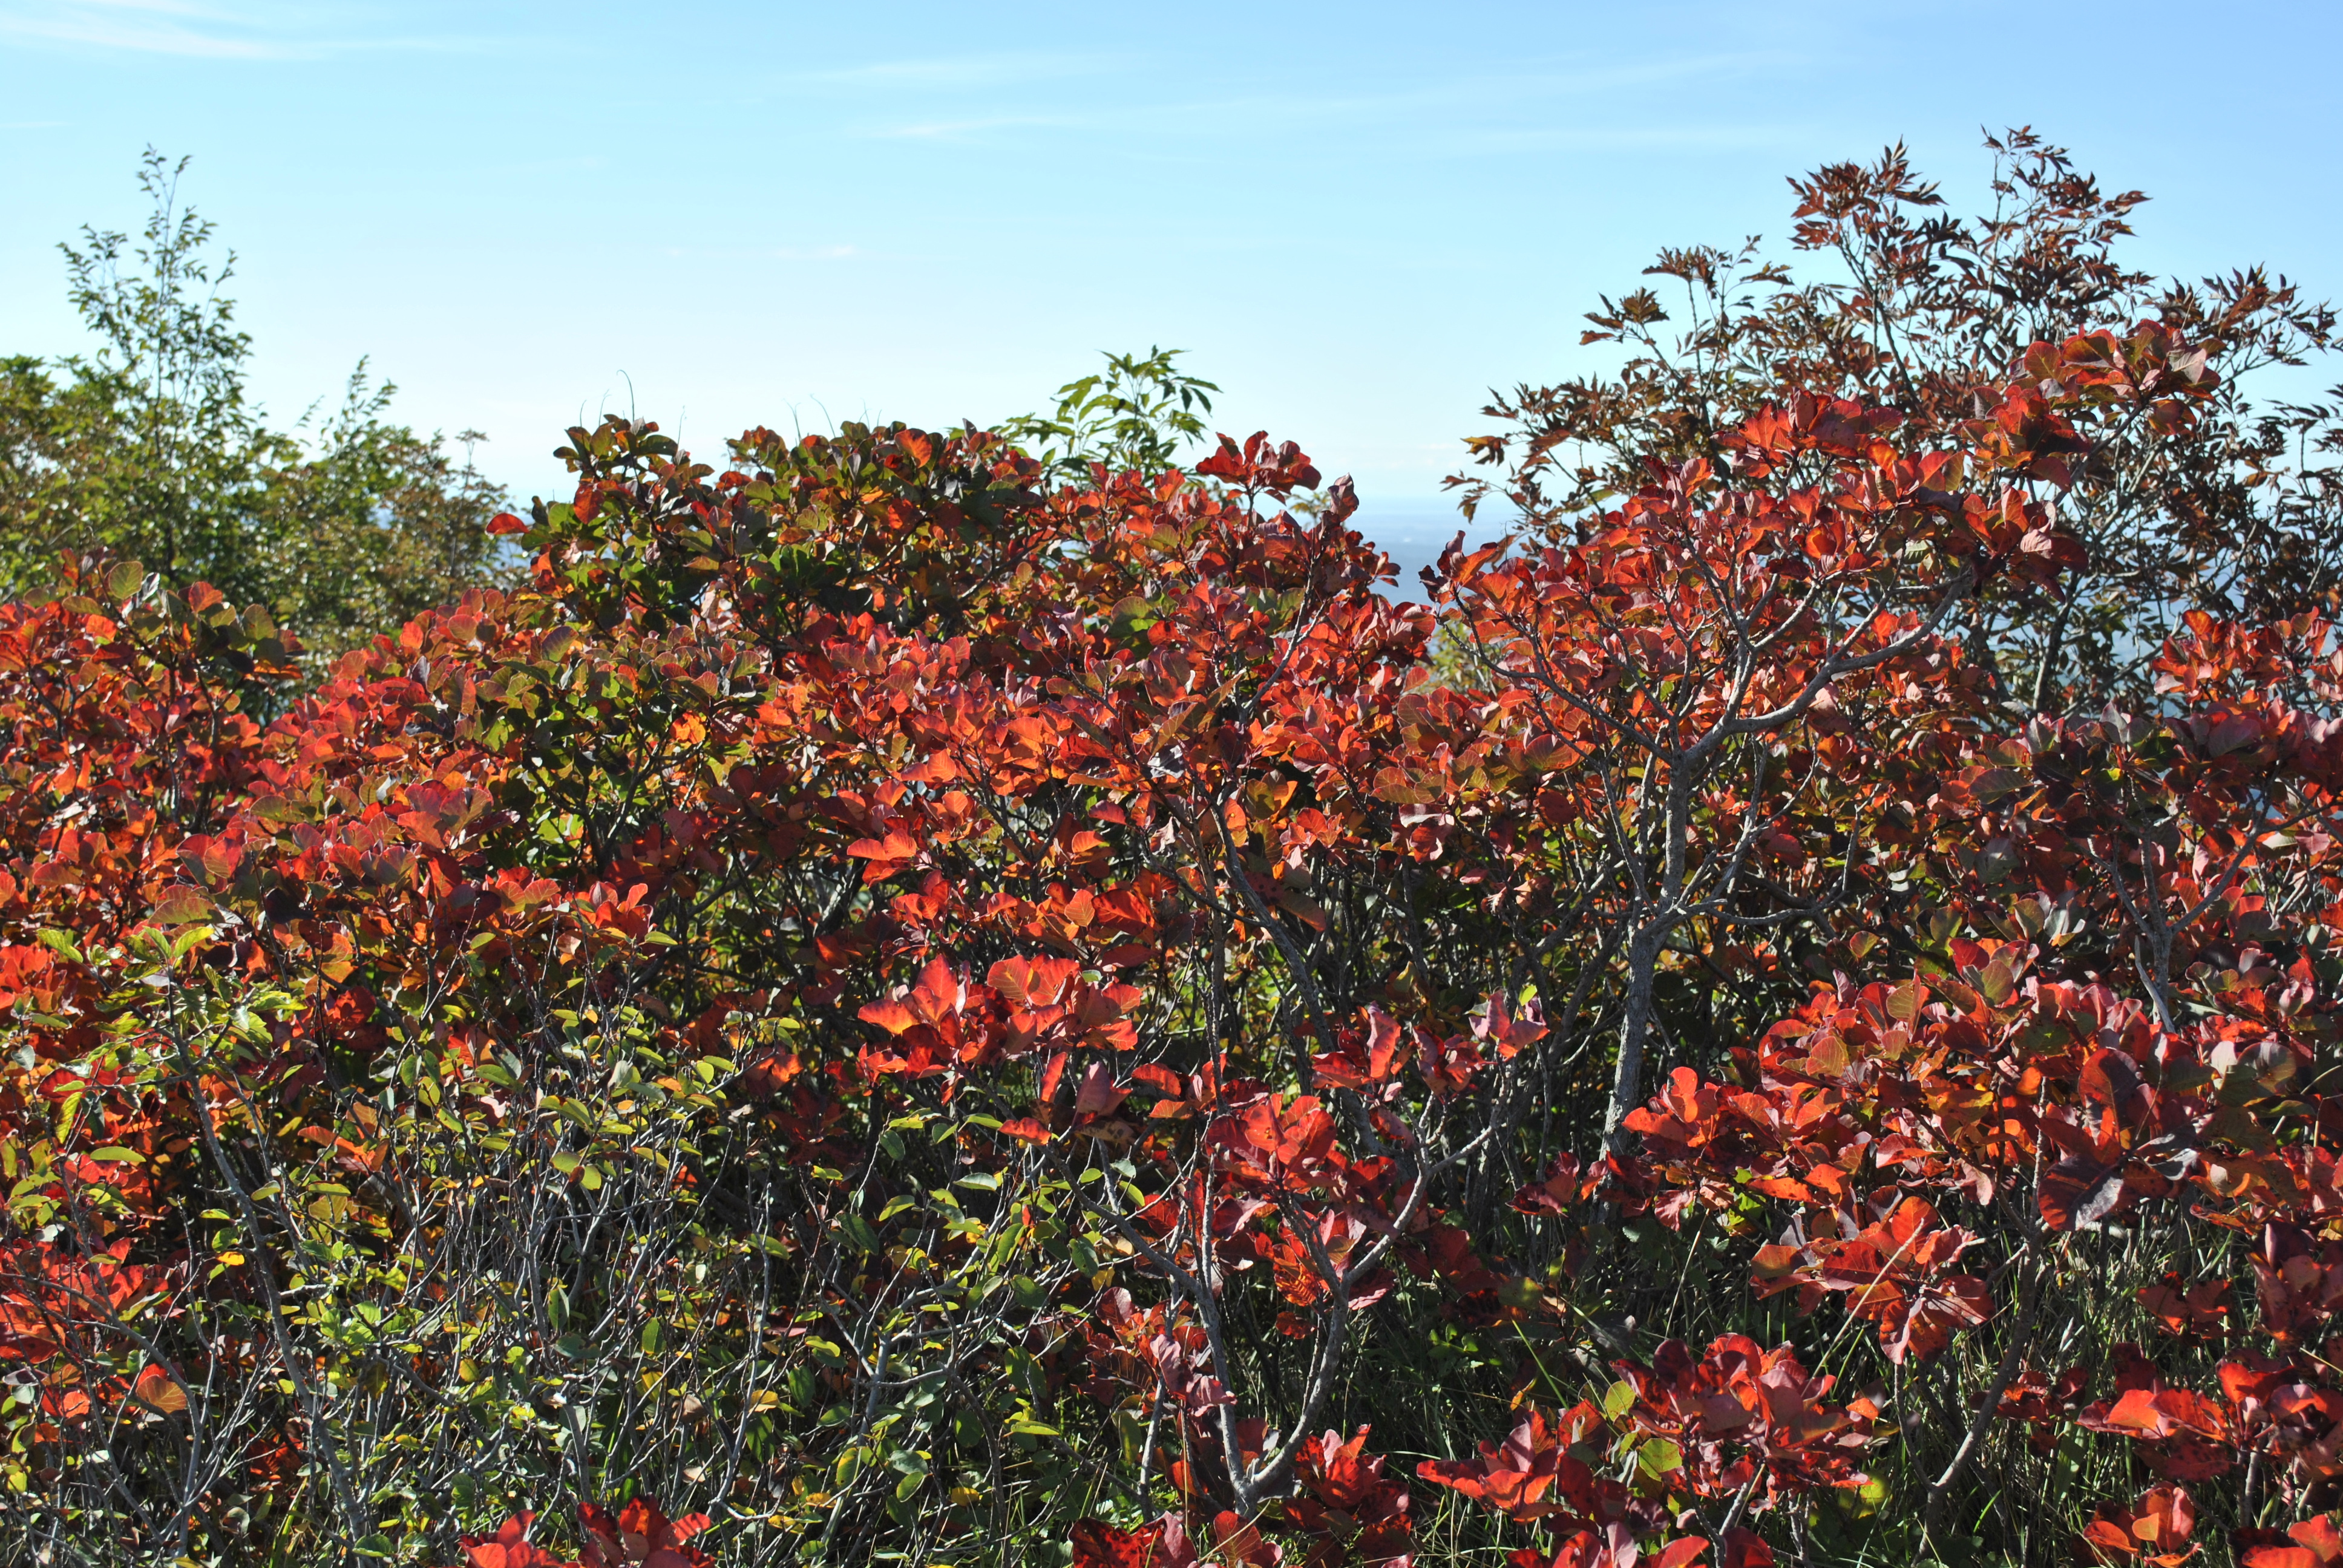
<point x="1356" y="217"/>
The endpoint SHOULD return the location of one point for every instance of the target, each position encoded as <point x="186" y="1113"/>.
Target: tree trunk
<point x="1627" y="1078"/>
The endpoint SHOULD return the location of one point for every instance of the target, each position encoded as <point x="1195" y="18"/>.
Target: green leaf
<point x="59" y="943"/>
<point x="1618" y="1398"/>
<point x="859" y="1232"/>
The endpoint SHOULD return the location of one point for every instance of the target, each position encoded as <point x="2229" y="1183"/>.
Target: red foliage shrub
<point x="875" y="975"/>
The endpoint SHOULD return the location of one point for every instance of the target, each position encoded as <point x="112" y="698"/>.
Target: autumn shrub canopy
<point x="896" y="1002"/>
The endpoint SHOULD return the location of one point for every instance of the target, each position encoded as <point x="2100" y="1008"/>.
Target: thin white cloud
<point x="192" y="31"/>
<point x="961" y="130"/>
<point x="1503" y="92"/>
<point x="140" y="28"/>
<point x="962" y="71"/>
<point x="781" y="253"/>
<point x="1463" y="102"/>
<point x="156" y="8"/>
<point x="1657" y="138"/>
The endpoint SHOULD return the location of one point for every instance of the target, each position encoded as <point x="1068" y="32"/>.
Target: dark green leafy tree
<point x="150" y="446"/>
